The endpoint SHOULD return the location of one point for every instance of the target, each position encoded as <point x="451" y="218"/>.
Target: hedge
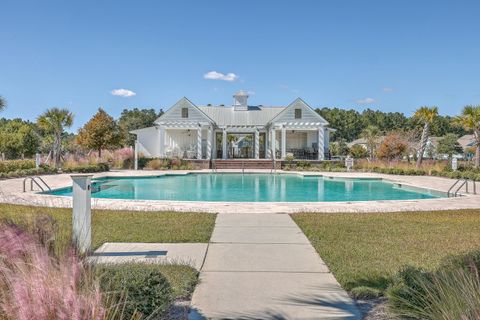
<point x="87" y="168"/>
<point x="7" y="166"/>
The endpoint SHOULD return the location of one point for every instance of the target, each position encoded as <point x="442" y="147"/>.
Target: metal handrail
<point x="214" y="166"/>
<point x="243" y="166"/>
<point x="463" y="182"/>
<point x="453" y="186"/>
<point x="43" y="181"/>
<point x="274" y="167"/>
<point x="34" y="180"/>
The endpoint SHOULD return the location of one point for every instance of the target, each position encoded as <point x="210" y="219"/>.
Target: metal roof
<point x="227" y="116"/>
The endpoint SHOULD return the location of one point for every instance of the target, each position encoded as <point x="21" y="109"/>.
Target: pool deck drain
<point x="261" y="266"/>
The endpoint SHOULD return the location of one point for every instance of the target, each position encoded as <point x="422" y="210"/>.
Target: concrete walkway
<point x="261" y="266"/>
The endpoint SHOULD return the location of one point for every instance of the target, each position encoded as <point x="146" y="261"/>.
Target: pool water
<point x="250" y="188"/>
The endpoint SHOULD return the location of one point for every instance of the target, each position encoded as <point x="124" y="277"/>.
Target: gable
<point x="307" y="114"/>
<point x="174" y="114"/>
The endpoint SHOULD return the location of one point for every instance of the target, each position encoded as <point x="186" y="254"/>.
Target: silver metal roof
<point x="255" y="116"/>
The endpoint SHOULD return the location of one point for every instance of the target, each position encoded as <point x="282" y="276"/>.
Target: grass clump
<point x="140" y="289"/>
<point x="452" y="291"/>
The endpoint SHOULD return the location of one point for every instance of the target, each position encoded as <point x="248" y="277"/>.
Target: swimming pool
<point x="230" y="187"/>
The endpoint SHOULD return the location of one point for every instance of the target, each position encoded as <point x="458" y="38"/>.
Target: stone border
<point x="11" y="192"/>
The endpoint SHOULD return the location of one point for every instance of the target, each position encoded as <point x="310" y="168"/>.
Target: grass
<point x="123" y="226"/>
<point x="367" y="249"/>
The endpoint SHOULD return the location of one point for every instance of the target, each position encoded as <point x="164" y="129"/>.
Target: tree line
<point x="350" y="123"/>
<point x="48" y="134"/>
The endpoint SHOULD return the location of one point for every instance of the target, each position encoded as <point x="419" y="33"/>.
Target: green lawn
<point x="367" y="249"/>
<point x="123" y="226"/>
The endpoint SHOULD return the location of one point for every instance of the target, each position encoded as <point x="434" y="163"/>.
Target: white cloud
<point x="251" y="93"/>
<point x="214" y="75"/>
<point x="123" y="93"/>
<point x="366" y="101"/>
<point x="387" y="89"/>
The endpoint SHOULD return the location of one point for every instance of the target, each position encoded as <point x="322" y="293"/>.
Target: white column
<point x="267" y="144"/>
<point x="273" y="142"/>
<point x="209" y="143"/>
<point x="214" y="145"/>
<point x="224" y="144"/>
<point x="136" y="155"/>
<point x="257" y="144"/>
<point x="199" y="142"/>
<point x="82" y="211"/>
<point x="284" y="142"/>
<point x="161" y="137"/>
<point x="321" y="143"/>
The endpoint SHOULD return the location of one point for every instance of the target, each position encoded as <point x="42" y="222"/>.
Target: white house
<point x="238" y="131"/>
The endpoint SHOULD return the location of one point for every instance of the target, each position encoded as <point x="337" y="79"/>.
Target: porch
<point x="204" y="142"/>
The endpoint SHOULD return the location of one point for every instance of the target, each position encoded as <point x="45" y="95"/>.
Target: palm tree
<point x="54" y="121"/>
<point x="371" y="135"/>
<point x="470" y="120"/>
<point x="3" y="104"/>
<point x="425" y="115"/>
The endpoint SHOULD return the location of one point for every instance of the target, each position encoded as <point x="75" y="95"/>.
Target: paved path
<point x="261" y="266"/>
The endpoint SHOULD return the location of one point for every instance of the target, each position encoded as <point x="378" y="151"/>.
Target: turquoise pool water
<point x="250" y="188"/>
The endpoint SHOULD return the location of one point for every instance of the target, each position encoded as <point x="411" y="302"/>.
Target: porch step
<point x="245" y="164"/>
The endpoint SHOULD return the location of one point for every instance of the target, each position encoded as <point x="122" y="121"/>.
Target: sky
<point x="388" y="55"/>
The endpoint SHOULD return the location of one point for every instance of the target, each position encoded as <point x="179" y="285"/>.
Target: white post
<point x="38" y="160"/>
<point x="224" y="144"/>
<point x="209" y="143"/>
<point x="257" y="144"/>
<point x="273" y="143"/>
<point x="82" y="212"/>
<point x="199" y="142"/>
<point x="268" y="149"/>
<point x="321" y="151"/>
<point x="136" y="155"/>
<point x="284" y="142"/>
<point x="161" y="137"/>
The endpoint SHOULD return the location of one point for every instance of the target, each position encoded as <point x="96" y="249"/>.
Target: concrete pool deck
<point x="11" y="192"/>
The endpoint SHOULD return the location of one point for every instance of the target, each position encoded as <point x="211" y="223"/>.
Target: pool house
<point x="239" y="131"/>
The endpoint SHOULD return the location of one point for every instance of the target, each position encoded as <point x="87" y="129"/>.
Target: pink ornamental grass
<point x="36" y="285"/>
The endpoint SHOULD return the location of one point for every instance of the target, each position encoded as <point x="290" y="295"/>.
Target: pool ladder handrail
<point x="214" y="166"/>
<point x="33" y="179"/>
<point x="463" y="182"/>
<point x="274" y="167"/>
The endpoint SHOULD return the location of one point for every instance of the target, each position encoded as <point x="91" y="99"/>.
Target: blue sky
<point x="387" y="55"/>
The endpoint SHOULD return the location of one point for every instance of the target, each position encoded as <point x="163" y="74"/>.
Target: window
<point x="298" y="113"/>
<point x="184" y="112"/>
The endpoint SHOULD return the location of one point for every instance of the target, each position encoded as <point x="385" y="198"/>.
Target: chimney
<point x="240" y="101"/>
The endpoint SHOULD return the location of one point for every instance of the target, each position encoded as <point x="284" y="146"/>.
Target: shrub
<point x="86" y="168"/>
<point x="140" y="288"/>
<point x="450" y="292"/>
<point x="364" y="292"/>
<point x="15" y="165"/>
<point x="158" y="164"/>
